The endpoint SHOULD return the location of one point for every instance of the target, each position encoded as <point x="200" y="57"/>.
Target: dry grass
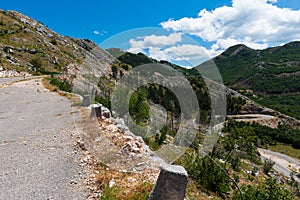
<point x="48" y="86"/>
<point x="194" y="192"/>
<point x="128" y="186"/>
<point x="286" y="149"/>
<point x="53" y="88"/>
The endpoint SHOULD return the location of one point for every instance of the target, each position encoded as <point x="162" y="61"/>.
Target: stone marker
<point x="105" y="112"/>
<point x="96" y="111"/>
<point x="86" y="100"/>
<point x="171" y="184"/>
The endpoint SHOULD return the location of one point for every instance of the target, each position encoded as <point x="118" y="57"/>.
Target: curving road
<point x="250" y="117"/>
<point x="15" y="79"/>
<point x="37" y="160"/>
<point x="283" y="164"/>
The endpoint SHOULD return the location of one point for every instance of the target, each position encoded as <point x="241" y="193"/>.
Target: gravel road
<point x="15" y="79"/>
<point x="37" y="159"/>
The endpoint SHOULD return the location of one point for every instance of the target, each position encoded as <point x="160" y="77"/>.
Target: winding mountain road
<point x="37" y="158"/>
<point x="283" y="163"/>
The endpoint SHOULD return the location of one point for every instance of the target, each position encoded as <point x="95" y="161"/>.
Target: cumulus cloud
<point x="137" y="45"/>
<point x="256" y="23"/>
<point x="168" y="47"/>
<point x="185" y="52"/>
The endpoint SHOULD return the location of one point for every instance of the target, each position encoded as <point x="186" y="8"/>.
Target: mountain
<point x="27" y="45"/>
<point x="270" y="77"/>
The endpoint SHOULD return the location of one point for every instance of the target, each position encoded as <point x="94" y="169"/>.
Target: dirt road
<point x="37" y="159"/>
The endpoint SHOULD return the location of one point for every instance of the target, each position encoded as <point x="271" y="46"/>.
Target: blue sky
<point x="82" y="18"/>
<point x="213" y="24"/>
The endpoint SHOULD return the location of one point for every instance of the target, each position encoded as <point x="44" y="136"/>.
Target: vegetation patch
<point x="118" y="185"/>
<point x="285" y="149"/>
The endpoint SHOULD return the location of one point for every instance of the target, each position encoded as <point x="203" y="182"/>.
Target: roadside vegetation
<point x="234" y="170"/>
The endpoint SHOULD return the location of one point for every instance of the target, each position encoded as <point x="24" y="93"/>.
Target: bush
<point x="53" y="41"/>
<point x="6" y="49"/>
<point x="114" y="71"/>
<point x="36" y="63"/>
<point x="207" y="174"/>
<point x="124" y="66"/>
<point x="62" y="85"/>
<point x="104" y="101"/>
<point x="268" y="164"/>
<point x="296" y="144"/>
<point x="269" y="190"/>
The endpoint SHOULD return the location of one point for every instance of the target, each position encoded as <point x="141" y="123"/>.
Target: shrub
<point x="268" y="164"/>
<point x="104" y="101"/>
<point x="114" y="71"/>
<point x="208" y="174"/>
<point x="53" y="41"/>
<point x="62" y="85"/>
<point x="6" y="49"/>
<point x="36" y="63"/>
<point x="296" y="144"/>
<point x="269" y="190"/>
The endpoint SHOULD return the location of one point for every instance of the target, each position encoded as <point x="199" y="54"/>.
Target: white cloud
<point x="169" y="47"/>
<point x="155" y="41"/>
<point x="272" y="1"/>
<point x="97" y="32"/>
<point x="186" y="52"/>
<point x="191" y="54"/>
<point x="256" y="23"/>
<point x="100" y="32"/>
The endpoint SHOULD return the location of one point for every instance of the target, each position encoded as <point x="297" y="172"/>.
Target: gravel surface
<point x="37" y="158"/>
<point x="14" y="79"/>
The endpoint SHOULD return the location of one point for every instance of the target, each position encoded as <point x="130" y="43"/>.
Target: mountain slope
<point x="27" y="45"/>
<point x="271" y="77"/>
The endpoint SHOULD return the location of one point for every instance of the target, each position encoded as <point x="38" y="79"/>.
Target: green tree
<point x="270" y="190"/>
<point x="138" y="106"/>
<point x="208" y="174"/>
<point x="114" y="70"/>
<point x="36" y="63"/>
<point x="296" y="144"/>
<point x="267" y="166"/>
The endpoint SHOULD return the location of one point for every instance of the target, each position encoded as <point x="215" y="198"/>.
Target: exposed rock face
<point x="171" y="184"/>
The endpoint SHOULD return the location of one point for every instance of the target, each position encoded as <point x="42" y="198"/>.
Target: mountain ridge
<point x="269" y="76"/>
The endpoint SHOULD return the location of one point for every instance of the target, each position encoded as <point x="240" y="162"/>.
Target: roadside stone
<point x="171" y="184"/>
